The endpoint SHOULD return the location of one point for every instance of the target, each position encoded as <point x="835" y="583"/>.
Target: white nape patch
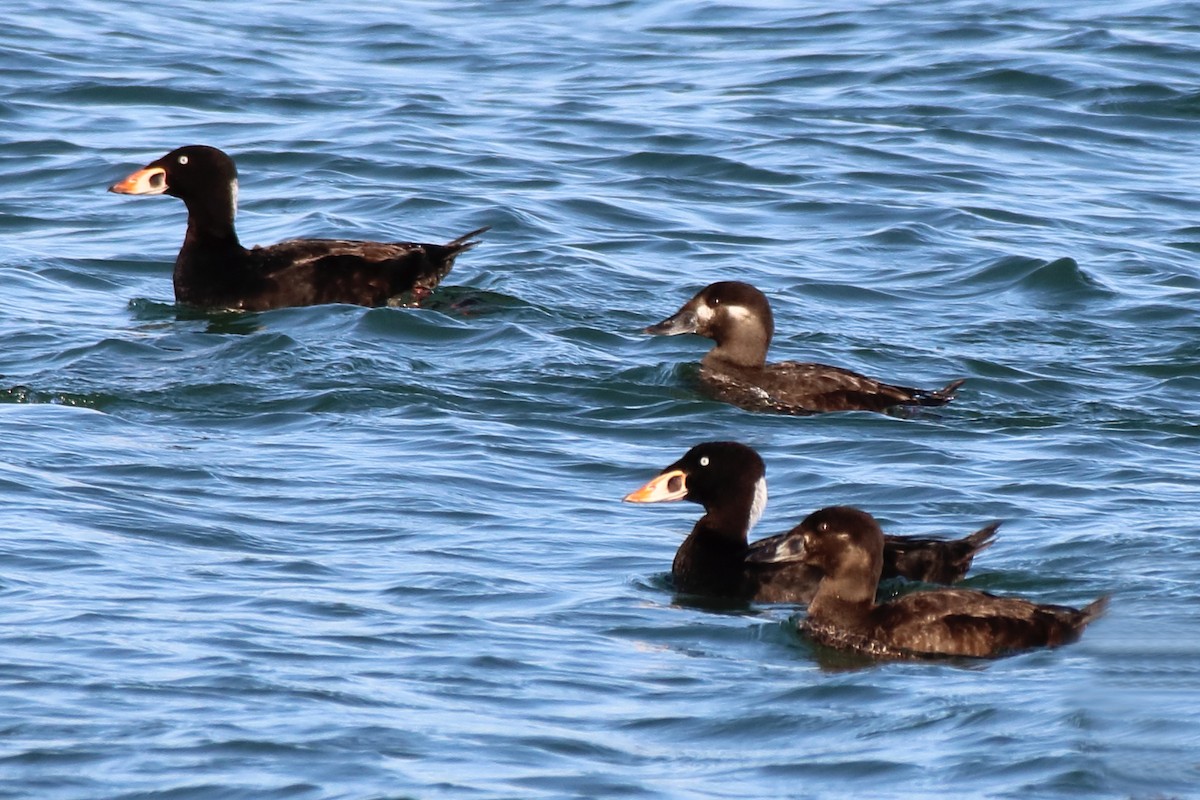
<point x="741" y="314"/>
<point x="233" y="194"/>
<point x="759" y="504"/>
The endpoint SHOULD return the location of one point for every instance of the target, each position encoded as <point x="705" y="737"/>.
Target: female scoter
<point x="729" y="480"/>
<point x="738" y="318"/>
<point x="846" y="547"/>
<point x="213" y="270"/>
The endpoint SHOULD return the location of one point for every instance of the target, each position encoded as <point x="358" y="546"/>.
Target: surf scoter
<point x="213" y="270"/>
<point x="729" y="480"/>
<point x="846" y="547"/>
<point x="738" y="318"/>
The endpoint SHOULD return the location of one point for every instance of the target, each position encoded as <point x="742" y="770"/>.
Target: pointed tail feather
<point x="939" y="397"/>
<point x="1095" y="609"/>
<point x="463" y="242"/>
<point x="436" y="264"/>
<point x="975" y="544"/>
<point x="983" y="538"/>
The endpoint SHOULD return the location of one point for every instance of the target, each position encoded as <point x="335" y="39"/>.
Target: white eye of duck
<point x="183" y="159"/>
<point x="704" y="461"/>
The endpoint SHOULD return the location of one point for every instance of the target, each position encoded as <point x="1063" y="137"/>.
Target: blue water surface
<point x="338" y="552"/>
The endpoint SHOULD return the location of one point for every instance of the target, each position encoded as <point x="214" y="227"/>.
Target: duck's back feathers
<point x="402" y="256"/>
<point x="801" y="388"/>
<point x="300" y="272"/>
<point x="962" y="622"/>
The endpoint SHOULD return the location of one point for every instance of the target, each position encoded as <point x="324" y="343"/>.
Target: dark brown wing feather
<point x="921" y="558"/>
<point x="961" y="622"/>
<point x="313" y="271"/>
<point x="299" y="250"/>
<point x="793" y="387"/>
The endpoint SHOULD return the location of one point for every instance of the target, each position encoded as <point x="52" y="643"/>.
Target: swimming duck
<point x="729" y="480"/>
<point x="213" y="270"/>
<point x="738" y="318"/>
<point x="845" y="545"/>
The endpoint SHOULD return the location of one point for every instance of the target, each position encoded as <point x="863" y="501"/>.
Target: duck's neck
<point x="210" y="219"/>
<point x="203" y="235"/>
<point x="712" y="559"/>
<point x="843" y="600"/>
<point x="742" y="346"/>
<point x="209" y="264"/>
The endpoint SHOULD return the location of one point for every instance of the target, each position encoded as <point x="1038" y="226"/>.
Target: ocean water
<point x="338" y="552"/>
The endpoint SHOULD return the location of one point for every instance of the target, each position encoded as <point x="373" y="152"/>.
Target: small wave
<point x="1059" y="281"/>
<point x="1153" y="101"/>
<point x="1024" y="81"/>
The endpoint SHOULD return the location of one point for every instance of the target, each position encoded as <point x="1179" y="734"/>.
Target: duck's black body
<point x="716" y="559"/>
<point x="737" y="317"/>
<point x="846" y="547"/>
<point x="213" y="270"/>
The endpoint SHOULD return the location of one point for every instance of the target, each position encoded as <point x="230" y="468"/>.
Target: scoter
<point x="845" y="545"/>
<point x="716" y="559"/>
<point x="214" y="271"/>
<point x="737" y="317"/>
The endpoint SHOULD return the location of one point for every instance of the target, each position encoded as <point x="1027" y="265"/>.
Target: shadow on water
<point x="155" y="314"/>
<point x="664" y="583"/>
<point x="455" y="301"/>
<point x="715" y="605"/>
<point x="464" y="301"/>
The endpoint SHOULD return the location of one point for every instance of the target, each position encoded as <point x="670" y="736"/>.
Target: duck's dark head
<point x="203" y="177"/>
<point x="727" y="478"/>
<point x="733" y="314"/>
<point x="845" y="544"/>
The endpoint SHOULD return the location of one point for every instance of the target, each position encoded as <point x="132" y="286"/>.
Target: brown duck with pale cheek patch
<point x="737" y="317"/>
<point x="213" y="270"/>
<point x="845" y="546"/>
<point x="716" y="559"/>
